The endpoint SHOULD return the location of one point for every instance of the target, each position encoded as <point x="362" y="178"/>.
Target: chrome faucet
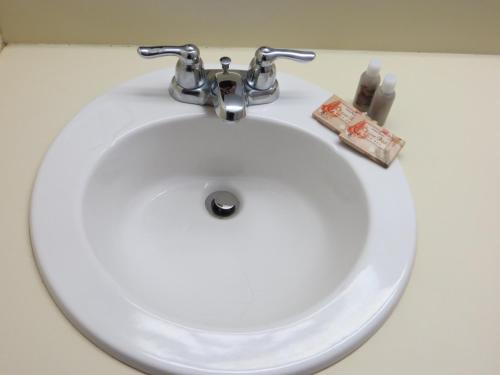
<point x="229" y="91"/>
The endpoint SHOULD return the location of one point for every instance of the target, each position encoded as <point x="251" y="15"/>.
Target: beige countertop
<point x="448" y="321"/>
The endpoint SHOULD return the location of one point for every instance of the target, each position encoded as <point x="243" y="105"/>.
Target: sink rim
<point x="145" y="100"/>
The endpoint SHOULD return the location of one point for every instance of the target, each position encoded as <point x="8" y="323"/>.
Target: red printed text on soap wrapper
<point x="372" y="133"/>
<point x="340" y="110"/>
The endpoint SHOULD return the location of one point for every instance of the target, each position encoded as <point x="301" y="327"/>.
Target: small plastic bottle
<point x="368" y="83"/>
<point x="383" y="99"/>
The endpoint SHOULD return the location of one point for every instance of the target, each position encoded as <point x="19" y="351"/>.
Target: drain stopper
<point x="222" y="204"/>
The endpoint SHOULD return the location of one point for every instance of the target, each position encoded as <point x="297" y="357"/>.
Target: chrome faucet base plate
<point x="205" y="94"/>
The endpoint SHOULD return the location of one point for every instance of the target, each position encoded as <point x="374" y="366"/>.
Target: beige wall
<point x="471" y="26"/>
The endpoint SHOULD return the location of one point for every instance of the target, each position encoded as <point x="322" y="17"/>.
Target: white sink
<point x="309" y="266"/>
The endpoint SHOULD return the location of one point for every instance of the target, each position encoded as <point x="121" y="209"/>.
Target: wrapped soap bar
<point x="372" y="140"/>
<point x="336" y="114"/>
<point x="359" y="131"/>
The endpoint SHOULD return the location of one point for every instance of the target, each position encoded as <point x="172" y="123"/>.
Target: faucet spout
<point x="229" y="93"/>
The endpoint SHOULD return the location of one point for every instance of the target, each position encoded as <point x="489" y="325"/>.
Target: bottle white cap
<point x="389" y="84"/>
<point x="374" y="67"/>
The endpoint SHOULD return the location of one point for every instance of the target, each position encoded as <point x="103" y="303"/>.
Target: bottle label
<point x="365" y="96"/>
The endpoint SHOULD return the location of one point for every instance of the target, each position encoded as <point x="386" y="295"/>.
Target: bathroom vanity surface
<point x="447" y="320"/>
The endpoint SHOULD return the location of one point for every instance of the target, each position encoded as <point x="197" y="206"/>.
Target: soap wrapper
<point x="372" y="140"/>
<point x="336" y="114"/>
<point x="359" y="131"/>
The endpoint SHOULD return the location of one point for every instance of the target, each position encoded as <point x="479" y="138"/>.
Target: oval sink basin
<point x="303" y="269"/>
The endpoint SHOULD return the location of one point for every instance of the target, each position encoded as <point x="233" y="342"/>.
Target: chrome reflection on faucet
<point x="229" y="91"/>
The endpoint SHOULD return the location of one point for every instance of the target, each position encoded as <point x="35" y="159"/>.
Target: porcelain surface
<point x="309" y="267"/>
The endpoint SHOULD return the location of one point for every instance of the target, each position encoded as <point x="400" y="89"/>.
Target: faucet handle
<point x="189" y="72"/>
<point x="188" y="53"/>
<point x="265" y="56"/>
<point x="262" y="72"/>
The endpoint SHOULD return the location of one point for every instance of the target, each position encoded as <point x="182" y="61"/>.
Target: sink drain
<point x="222" y="204"/>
